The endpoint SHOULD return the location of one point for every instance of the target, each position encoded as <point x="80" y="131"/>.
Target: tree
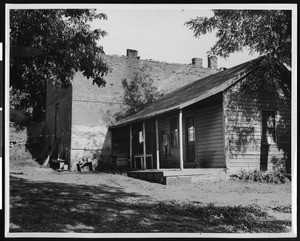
<point x="68" y="44"/>
<point x="267" y="32"/>
<point x="138" y="93"/>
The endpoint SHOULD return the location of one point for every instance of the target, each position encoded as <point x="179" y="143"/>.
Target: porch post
<point x="181" y="139"/>
<point x="130" y="141"/>
<point x="144" y="145"/>
<point x="157" y="143"/>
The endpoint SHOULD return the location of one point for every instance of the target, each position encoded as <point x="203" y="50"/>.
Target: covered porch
<point x="181" y="139"/>
<point x="151" y="144"/>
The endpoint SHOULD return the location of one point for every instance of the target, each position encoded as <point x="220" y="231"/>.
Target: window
<point x="174" y="132"/>
<point x="190" y="129"/>
<point x="190" y="137"/>
<point x="268" y="126"/>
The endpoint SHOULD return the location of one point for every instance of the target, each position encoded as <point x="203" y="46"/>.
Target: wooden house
<point x="239" y="118"/>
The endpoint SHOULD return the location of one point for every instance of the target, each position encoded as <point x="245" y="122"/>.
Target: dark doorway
<point x="268" y="137"/>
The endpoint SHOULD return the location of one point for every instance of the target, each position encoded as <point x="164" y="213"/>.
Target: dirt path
<point x="219" y="192"/>
<point x="81" y="202"/>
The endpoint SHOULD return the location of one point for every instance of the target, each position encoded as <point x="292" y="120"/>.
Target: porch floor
<point x="177" y="176"/>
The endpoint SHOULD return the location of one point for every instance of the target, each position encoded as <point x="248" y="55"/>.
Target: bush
<point x="279" y="168"/>
<point x="19" y="119"/>
<point x="277" y="175"/>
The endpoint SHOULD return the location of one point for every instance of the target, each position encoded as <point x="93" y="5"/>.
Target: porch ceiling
<point x="193" y="92"/>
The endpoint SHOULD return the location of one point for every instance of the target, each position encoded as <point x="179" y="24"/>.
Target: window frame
<point x="194" y="125"/>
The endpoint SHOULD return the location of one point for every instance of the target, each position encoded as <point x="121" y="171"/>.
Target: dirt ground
<point x="44" y="200"/>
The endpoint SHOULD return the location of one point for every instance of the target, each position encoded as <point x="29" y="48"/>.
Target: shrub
<point x="276" y="175"/>
<point x="279" y="168"/>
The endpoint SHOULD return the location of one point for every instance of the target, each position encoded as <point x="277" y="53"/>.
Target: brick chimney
<point x="212" y="62"/>
<point x="197" y="62"/>
<point x="131" y="53"/>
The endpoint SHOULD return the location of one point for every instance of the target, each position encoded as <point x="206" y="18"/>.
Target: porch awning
<point x="192" y="93"/>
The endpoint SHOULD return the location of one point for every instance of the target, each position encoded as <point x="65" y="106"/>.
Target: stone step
<point x="169" y="178"/>
<point x="195" y="171"/>
<point x="149" y="176"/>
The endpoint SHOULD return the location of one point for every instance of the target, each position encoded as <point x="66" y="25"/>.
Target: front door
<point x="190" y="139"/>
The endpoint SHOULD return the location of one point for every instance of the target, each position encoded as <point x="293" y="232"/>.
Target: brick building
<point x="79" y="116"/>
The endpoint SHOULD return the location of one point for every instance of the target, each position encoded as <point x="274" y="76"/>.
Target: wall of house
<point x="243" y="105"/>
<point x="94" y="108"/>
<point x="63" y="97"/>
<point x="209" y="145"/>
<point x="209" y="136"/>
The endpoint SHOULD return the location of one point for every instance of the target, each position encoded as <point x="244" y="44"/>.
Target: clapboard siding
<point x="209" y="135"/>
<point x="243" y="125"/>
<point x="241" y="158"/>
<point x="210" y="130"/>
<point x="204" y="123"/>
<point x="212" y="139"/>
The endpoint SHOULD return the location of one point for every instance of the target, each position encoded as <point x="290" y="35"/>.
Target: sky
<point x="160" y="34"/>
<point x="157" y="31"/>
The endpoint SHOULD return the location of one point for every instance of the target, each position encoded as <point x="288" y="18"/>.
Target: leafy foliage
<point x="279" y="168"/>
<point x="283" y="208"/>
<point x="268" y="86"/>
<point x="68" y="44"/>
<point x="267" y="32"/>
<point x="277" y="175"/>
<point x="138" y="93"/>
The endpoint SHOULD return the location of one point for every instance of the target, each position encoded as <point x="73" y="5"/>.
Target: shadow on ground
<point x="60" y="207"/>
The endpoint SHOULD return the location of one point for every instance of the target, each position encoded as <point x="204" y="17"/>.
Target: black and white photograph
<point x="150" y="120"/>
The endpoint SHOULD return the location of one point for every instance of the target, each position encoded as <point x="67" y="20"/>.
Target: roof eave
<point x="231" y="81"/>
<point x="144" y="118"/>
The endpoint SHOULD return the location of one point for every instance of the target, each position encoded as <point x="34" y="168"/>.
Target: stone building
<point x="79" y="116"/>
